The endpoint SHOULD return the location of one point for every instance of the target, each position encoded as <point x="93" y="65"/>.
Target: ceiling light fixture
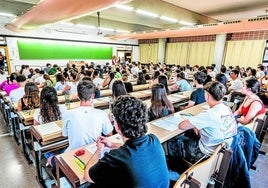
<point x="121" y="31"/>
<point x="168" y="19"/>
<point x="185" y="23"/>
<point x="124" y="7"/>
<point x="138" y="11"/>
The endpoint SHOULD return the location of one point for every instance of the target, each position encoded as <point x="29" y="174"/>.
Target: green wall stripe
<point x="40" y="50"/>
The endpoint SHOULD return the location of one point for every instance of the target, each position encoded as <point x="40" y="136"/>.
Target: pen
<point x="187" y="114"/>
<point x="79" y="162"/>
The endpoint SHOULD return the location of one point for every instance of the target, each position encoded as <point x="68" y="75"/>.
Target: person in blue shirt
<point x="139" y="162"/>
<point x="198" y="95"/>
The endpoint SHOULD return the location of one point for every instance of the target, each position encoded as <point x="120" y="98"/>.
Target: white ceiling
<point x="193" y="11"/>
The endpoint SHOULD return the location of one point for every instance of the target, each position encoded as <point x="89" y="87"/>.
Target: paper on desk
<point x="165" y="125"/>
<point x="93" y="147"/>
<point x="48" y="128"/>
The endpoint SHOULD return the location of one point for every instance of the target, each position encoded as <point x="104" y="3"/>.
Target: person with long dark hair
<point x="162" y="79"/>
<point x="31" y="99"/>
<point x="160" y="105"/>
<point x="10" y="83"/>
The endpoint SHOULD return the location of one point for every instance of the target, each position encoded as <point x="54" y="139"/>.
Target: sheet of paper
<point x="165" y="125"/>
<point x="48" y="128"/>
<point x="93" y="147"/>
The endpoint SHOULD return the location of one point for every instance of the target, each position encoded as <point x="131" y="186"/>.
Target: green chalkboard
<point x="42" y="49"/>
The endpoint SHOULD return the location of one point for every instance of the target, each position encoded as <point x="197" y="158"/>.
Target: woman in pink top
<point x="10" y="84"/>
<point x="252" y="105"/>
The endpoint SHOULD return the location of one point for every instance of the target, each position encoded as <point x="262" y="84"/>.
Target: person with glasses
<point x="212" y="127"/>
<point x="160" y="105"/>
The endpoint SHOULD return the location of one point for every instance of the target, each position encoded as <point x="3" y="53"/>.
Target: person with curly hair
<point x="31" y="99"/>
<point x="139" y="162"/>
<point x="160" y="105"/>
<point x="49" y="109"/>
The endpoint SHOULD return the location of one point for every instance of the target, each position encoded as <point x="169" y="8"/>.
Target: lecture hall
<point x="134" y="93"/>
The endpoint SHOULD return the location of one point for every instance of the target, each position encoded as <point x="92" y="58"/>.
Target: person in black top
<point x="128" y="85"/>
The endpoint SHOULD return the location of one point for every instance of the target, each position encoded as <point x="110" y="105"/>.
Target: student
<point x="198" y="95"/>
<point x="49" y="109"/>
<point x="182" y="84"/>
<point x="31" y="99"/>
<point x="212" y="127"/>
<point x="61" y="84"/>
<point x="83" y="125"/>
<point x="10" y="83"/>
<point x="141" y="79"/>
<point x="154" y="79"/>
<point x="118" y="89"/>
<point x="128" y="85"/>
<point x="162" y="79"/>
<point x="97" y="81"/>
<point x="139" y="162"/>
<point x="236" y="83"/>
<point x="109" y="80"/>
<point x="16" y="94"/>
<point x="160" y="105"/>
<point x="252" y="105"/>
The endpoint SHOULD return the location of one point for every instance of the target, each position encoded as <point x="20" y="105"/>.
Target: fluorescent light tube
<point x="185" y="23"/>
<point x="124" y="7"/>
<point x="168" y="19"/>
<point x="146" y="13"/>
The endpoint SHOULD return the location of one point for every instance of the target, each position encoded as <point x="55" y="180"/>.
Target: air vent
<point x="232" y="22"/>
<point x="259" y="18"/>
<point x="209" y="25"/>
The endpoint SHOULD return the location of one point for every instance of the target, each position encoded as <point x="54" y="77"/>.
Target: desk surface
<point x="75" y="174"/>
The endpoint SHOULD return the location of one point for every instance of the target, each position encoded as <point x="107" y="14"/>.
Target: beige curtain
<point x="192" y="53"/>
<point x="149" y="53"/>
<point x="247" y="53"/>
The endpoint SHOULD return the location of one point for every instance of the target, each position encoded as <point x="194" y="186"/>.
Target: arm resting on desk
<point x="93" y="160"/>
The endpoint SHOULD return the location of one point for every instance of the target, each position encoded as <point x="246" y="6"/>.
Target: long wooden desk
<point x="65" y="162"/>
<point x="44" y="142"/>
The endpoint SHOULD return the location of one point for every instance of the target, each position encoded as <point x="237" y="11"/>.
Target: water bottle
<point x="67" y="99"/>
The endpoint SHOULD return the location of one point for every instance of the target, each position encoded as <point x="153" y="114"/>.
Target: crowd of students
<point x="140" y="161"/>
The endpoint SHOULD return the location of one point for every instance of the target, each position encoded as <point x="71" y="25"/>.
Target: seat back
<point x="199" y="174"/>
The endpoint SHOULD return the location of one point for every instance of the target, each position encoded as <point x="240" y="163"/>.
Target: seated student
<point x="128" y="85"/>
<point x="118" y="89"/>
<point x="30" y="100"/>
<point x="198" y="95"/>
<point x="61" y="84"/>
<point x="182" y="84"/>
<point x="212" y="127"/>
<point x="97" y="81"/>
<point x="252" y="105"/>
<point x="162" y="79"/>
<point x="109" y="80"/>
<point x="49" y="111"/>
<point x="154" y="79"/>
<point x="139" y="162"/>
<point x="16" y="94"/>
<point x="10" y="83"/>
<point x="141" y="79"/>
<point x="160" y="105"/>
<point x="83" y="125"/>
<point x="236" y="84"/>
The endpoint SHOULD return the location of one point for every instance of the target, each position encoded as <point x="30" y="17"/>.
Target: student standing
<point x="139" y="162"/>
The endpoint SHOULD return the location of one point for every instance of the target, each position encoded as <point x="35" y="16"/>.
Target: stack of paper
<point x="48" y="130"/>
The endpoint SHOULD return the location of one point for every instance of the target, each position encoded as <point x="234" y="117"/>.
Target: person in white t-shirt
<point x="212" y="127"/>
<point x="16" y="94"/>
<point x="85" y="124"/>
<point x="236" y="83"/>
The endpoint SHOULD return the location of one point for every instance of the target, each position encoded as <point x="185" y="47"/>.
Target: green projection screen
<point x="41" y="49"/>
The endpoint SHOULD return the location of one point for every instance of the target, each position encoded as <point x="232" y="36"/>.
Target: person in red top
<point x="252" y="105"/>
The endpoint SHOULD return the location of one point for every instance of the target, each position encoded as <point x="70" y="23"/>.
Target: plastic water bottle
<point x="211" y="183"/>
<point x="67" y="99"/>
